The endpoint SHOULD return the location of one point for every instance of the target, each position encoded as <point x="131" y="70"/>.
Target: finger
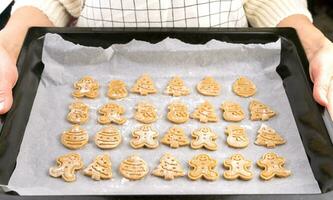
<point x="6" y="98"/>
<point x="320" y="88"/>
<point x="330" y="99"/>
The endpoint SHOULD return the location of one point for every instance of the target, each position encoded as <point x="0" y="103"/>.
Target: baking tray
<point x="309" y="116"/>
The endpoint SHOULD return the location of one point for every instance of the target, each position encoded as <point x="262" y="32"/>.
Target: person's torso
<point x="162" y="13"/>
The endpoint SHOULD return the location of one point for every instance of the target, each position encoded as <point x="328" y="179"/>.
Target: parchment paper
<point x="65" y="63"/>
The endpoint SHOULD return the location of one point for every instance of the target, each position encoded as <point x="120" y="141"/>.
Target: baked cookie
<point x="111" y="113"/>
<point x="74" y="138"/>
<point x="78" y="113"/>
<point x="260" y="111"/>
<point x="178" y="113"/>
<point x="237" y="136"/>
<point x="146" y="113"/>
<point x="232" y="112"/>
<point x="176" y="87"/>
<point x="244" y="87"/>
<point x="204" y="137"/>
<point x="169" y="167"/>
<point x="272" y="165"/>
<point x="203" y="166"/>
<point x="208" y="86"/>
<point x="144" y="86"/>
<point x="268" y="137"/>
<point x="86" y="87"/>
<point x="100" y="168"/>
<point x="144" y="136"/>
<point x="205" y="113"/>
<point x="108" y="138"/>
<point x="175" y="137"/>
<point x="67" y="165"/>
<point x="237" y="167"/>
<point x="117" y="89"/>
<point x="133" y="168"/>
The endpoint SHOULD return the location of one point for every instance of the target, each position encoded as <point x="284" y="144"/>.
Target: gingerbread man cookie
<point x="145" y="113"/>
<point x="66" y="167"/>
<point x="75" y="138"/>
<point x="78" y="113"/>
<point x="260" y="111"/>
<point x="100" y="168"/>
<point x="272" y="165"/>
<point x="237" y="136"/>
<point x="208" y="86"/>
<point x="205" y="113"/>
<point x="203" y="166"/>
<point x="144" y="86"/>
<point x="108" y="138"/>
<point x="169" y="167"/>
<point x="133" y="168"/>
<point x="238" y="167"/>
<point x="111" y="113"/>
<point x="232" y="112"/>
<point x="244" y="87"/>
<point x="204" y="137"/>
<point x="175" y="137"/>
<point x="144" y="136"/>
<point x="86" y="87"/>
<point x="176" y="87"/>
<point x="117" y="89"/>
<point x="268" y="137"/>
<point x="178" y="113"/>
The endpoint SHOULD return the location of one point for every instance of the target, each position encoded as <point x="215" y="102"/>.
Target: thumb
<point x="6" y="98"/>
<point x="320" y="88"/>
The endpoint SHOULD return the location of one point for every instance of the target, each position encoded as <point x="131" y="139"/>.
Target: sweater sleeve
<point x="268" y="13"/>
<point x="59" y="12"/>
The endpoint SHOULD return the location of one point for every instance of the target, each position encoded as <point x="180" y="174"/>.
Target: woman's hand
<point x="321" y="72"/>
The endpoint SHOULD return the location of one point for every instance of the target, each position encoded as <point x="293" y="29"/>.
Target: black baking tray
<point x="293" y="70"/>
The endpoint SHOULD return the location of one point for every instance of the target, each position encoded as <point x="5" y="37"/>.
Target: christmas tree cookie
<point x="260" y="111"/>
<point x="144" y="86"/>
<point x="117" y="89"/>
<point x="176" y="87"/>
<point x="100" y="169"/>
<point x="208" y="86"/>
<point x="175" y="137"/>
<point x="205" y="113"/>
<point x="169" y="168"/>
<point x="268" y="137"/>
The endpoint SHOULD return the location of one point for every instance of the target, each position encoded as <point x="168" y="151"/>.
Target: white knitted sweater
<point x="168" y="13"/>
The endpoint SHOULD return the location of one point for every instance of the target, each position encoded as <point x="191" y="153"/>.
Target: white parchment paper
<point x="65" y="63"/>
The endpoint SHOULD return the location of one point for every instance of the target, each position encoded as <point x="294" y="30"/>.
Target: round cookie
<point x="108" y="138"/>
<point x="133" y="168"/>
<point x="74" y="138"/>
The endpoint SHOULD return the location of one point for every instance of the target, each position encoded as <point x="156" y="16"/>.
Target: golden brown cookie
<point x="178" y="113"/>
<point x="260" y="111"/>
<point x="272" y="165"/>
<point x="144" y="86"/>
<point x="78" y="113"/>
<point x="111" y="113"/>
<point x="144" y="136"/>
<point x="86" y="87"/>
<point x="232" y="112"/>
<point x="205" y="113"/>
<point x="100" y="168"/>
<point x="237" y="167"/>
<point x="204" y="137"/>
<point x="175" y="137"/>
<point x="74" y="138"/>
<point x="268" y="137"/>
<point x="117" y="89"/>
<point x="176" y="87"/>
<point x="145" y="113"/>
<point x="66" y="167"/>
<point x="133" y="168"/>
<point x="108" y="138"/>
<point x="208" y="86"/>
<point x="203" y="166"/>
<point x="169" y="167"/>
<point x="244" y="87"/>
<point x="237" y="136"/>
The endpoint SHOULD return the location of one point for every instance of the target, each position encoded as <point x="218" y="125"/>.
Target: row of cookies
<point x="208" y="86"/>
<point x="178" y="112"/>
<point x="146" y="136"/>
<point x="202" y="166"/>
